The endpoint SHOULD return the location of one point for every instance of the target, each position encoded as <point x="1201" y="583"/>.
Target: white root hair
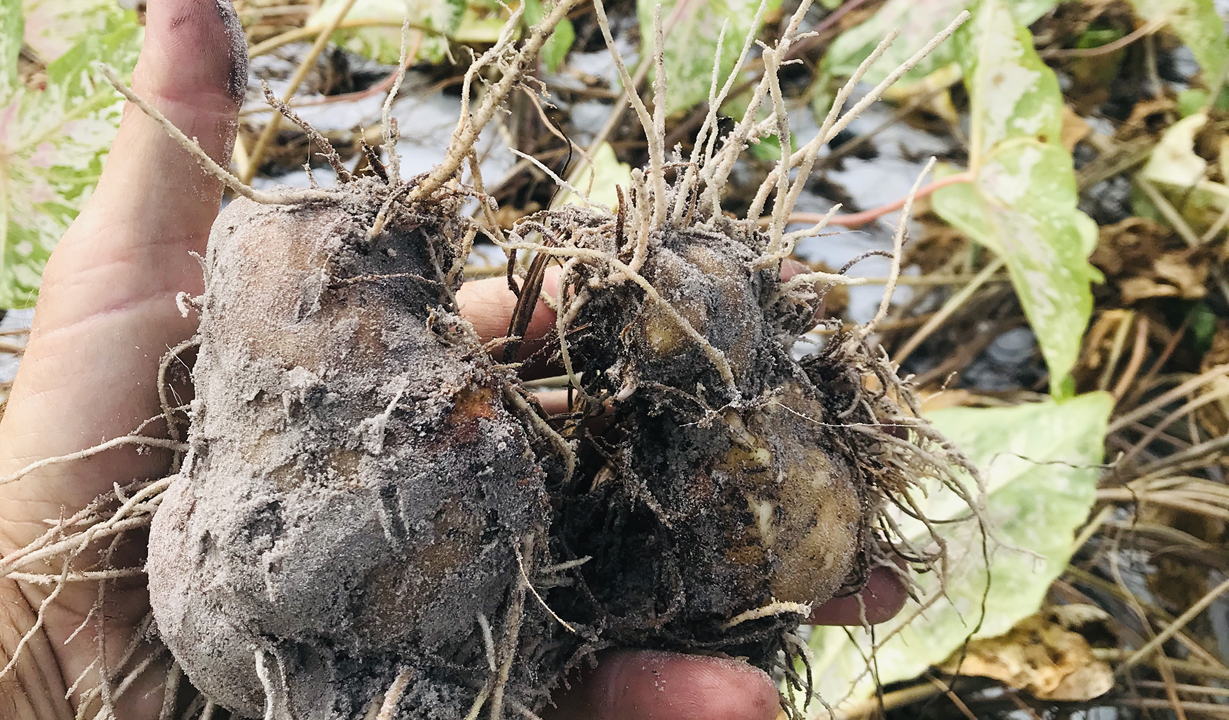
<point x="898" y="242"/>
<point x="772" y="609"/>
<point x="469" y="126"/>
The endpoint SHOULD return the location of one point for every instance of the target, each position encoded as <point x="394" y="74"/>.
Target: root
<point x="520" y="563"/>
<point x="655" y="141"/>
<point x="804" y="158"/>
<point x="85" y="576"/>
<point x="235" y="184"/>
<point x="562" y="321"/>
<point x="469" y="126"/>
<point x="169" y="692"/>
<point x="118" y="523"/>
<point x="898" y="242"/>
<point x="395" y="194"/>
<point x="564" y="184"/>
<point x="770" y="610"/>
<point x="657" y="172"/>
<point x="393" y="696"/>
<point x="389" y="122"/>
<point x="488" y="640"/>
<point x="139" y="440"/>
<point x="167" y="411"/>
<point x="513" y="630"/>
<point x="38" y="622"/>
<point x="561" y="445"/>
<point x="596" y="256"/>
<point x="326" y="148"/>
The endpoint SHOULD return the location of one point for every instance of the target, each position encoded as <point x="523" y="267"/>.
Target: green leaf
<point x="1180" y="176"/>
<point x="381" y="41"/>
<point x="691" y="45"/>
<point x="52" y="144"/>
<point x="1022" y="202"/>
<point x="1173" y="161"/>
<point x="1191" y="101"/>
<point x="1040" y="464"/>
<point x="559" y="42"/>
<point x="1198" y="24"/>
<point x="918" y="22"/>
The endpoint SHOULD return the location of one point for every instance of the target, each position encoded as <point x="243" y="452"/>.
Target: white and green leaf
<point x="1022" y="202"/>
<point x="53" y="140"/>
<point x="1199" y="25"/>
<point x="11" y="32"/>
<point x="379" y="33"/>
<point x="1040" y="463"/>
<point x="1181" y="177"/>
<point x="918" y="22"/>
<point x="691" y="44"/>
<point x="53" y="27"/>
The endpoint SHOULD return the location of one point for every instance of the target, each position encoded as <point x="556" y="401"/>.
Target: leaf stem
<point x="856" y="220"/>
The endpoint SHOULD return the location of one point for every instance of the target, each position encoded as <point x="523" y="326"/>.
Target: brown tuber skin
<point x="746" y="495"/>
<point x="354" y="485"/>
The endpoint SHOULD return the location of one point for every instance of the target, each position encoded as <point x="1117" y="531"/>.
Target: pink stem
<point x="855" y="220"/>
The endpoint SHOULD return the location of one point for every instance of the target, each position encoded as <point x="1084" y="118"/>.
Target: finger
<point x="489" y="304"/>
<point x="883" y="596"/>
<point x="650" y="685"/>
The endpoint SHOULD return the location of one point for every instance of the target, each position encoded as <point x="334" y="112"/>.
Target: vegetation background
<point x="1065" y="307"/>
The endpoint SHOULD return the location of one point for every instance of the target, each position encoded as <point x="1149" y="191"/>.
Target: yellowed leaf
<point x="1044" y="654"/>
<point x="1074" y="129"/>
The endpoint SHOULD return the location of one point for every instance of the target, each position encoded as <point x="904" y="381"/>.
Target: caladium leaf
<point x="1199" y="25"/>
<point x="1040" y="463"/>
<point x="1022" y="201"/>
<point x="918" y="21"/>
<point x="53" y="27"/>
<point x="691" y="43"/>
<point x="379" y="37"/>
<point x="53" y="139"/>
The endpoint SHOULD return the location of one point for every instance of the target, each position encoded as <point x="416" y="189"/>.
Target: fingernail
<point x="238" y="81"/>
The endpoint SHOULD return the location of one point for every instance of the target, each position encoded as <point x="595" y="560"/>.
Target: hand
<point x="105" y="317"/>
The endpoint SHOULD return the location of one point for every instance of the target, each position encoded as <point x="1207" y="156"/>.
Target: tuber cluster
<point x="375" y="518"/>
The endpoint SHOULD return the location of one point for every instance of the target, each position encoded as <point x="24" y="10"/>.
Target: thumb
<point x="106" y="312"/>
<point x="153" y="202"/>
<point x="193" y="68"/>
